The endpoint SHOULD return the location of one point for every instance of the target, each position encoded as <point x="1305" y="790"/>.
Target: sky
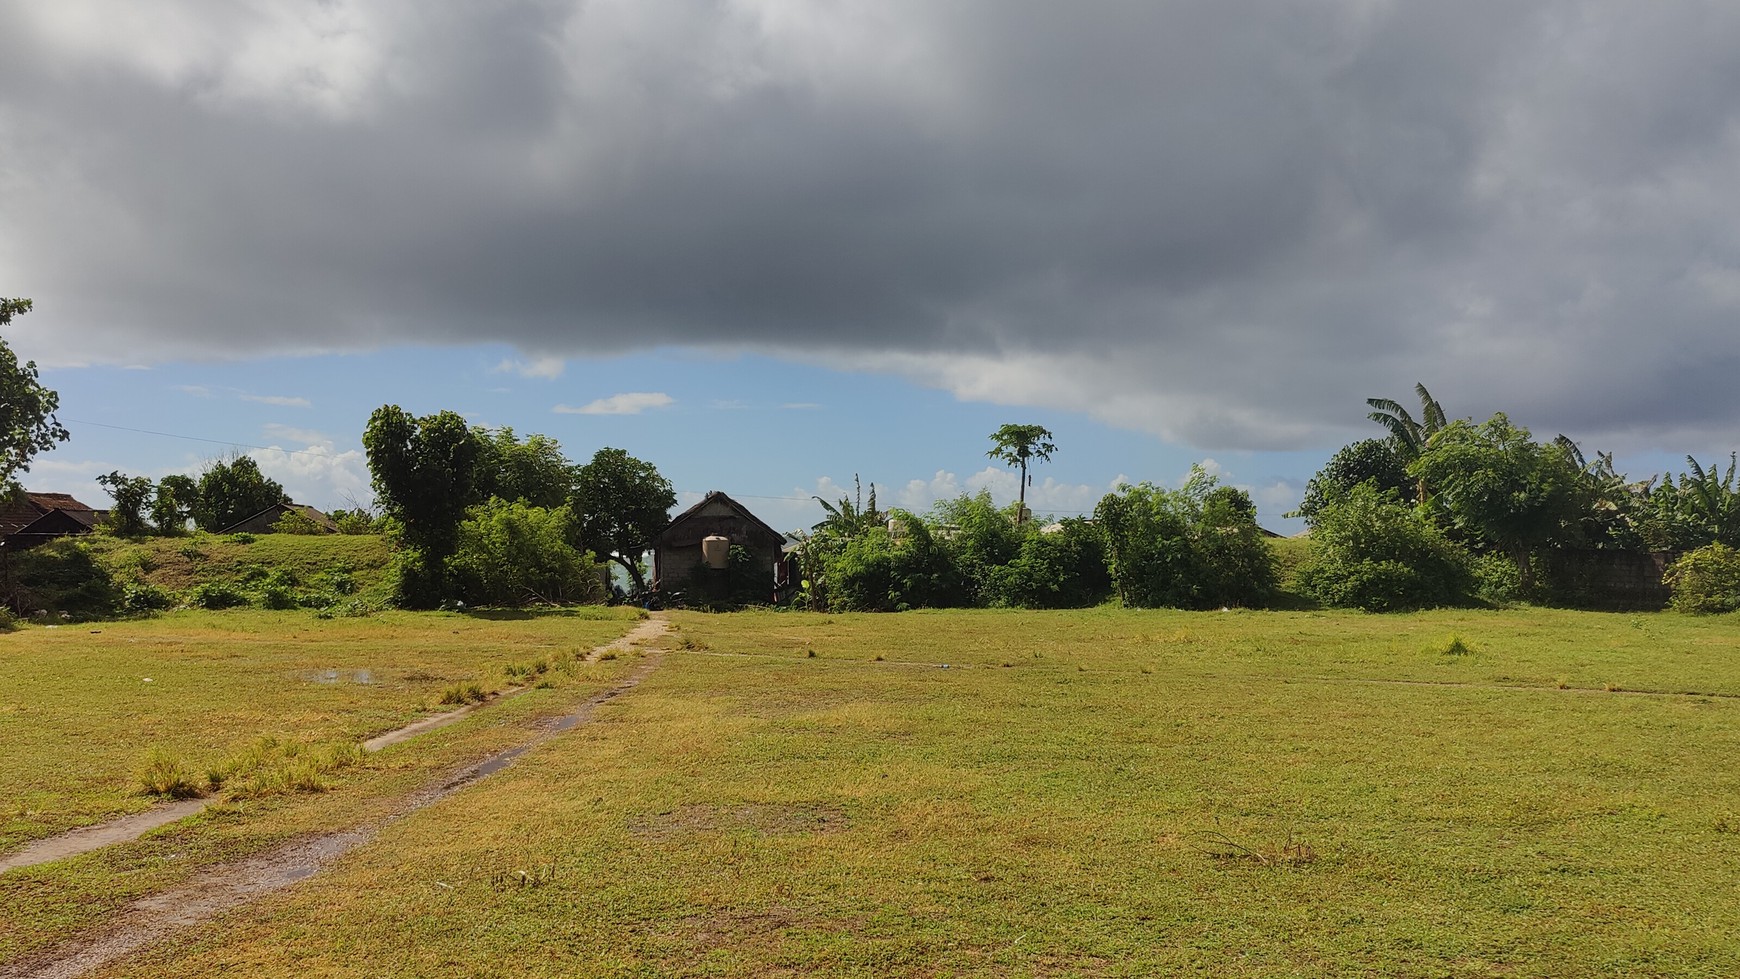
<point x="768" y="245"/>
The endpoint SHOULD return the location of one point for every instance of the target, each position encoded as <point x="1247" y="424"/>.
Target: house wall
<point x="677" y="556"/>
<point x="1609" y="580"/>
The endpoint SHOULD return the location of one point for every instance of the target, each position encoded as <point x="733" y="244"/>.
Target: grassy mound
<point x="100" y="576"/>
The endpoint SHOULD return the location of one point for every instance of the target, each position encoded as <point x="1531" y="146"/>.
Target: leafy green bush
<point x="512" y="554"/>
<point x="354" y="608"/>
<point x="980" y="541"/>
<point x="1063" y="567"/>
<point x="295" y="522"/>
<point x="63" y="576"/>
<point x="277" y="597"/>
<point x="1194" y="547"/>
<point x="879" y="572"/>
<point x="1706" y="581"/>
<point x="216" y="595"/>
<point x="1497" y="581"/>
<point x="143" y="599"/>
<point x="1375" y="553"/>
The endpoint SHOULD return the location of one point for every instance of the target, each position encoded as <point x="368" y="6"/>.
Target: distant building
<point x="37" y="518"/>
<point x="681" y="550"/>
<point x="265" y="522"/>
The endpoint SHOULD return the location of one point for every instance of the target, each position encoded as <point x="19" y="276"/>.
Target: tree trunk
<point x="1525" y="571"/>
<point x="633" y="568"/>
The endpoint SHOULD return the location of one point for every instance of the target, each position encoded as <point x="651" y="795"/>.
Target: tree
<point x="425" y="476"/>
<point x="1018" y="445"/>
<point x="1375" y="552"/>
<point x="233" y="489"/>
<point x="132" y="494"/>
<point x="848" y="518"/>
<point x="1410" y="436"/>
<point x="1712" y="503"/>
<point x="177" y="496"/>
<point x="621" y="502"/>
<point x="1373" y="460"/>
<point x="1193" y="547"/>
<point x="533" y="471"/>
<point x="1502" y="488"/>
<point x="510" y="553"/>
<point x="27" y="421"/>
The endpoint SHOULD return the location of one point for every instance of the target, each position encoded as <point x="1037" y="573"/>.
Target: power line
<point x="196" y="438"/>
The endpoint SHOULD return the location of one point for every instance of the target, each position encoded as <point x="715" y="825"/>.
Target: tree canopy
<point x="27" y="421"/>
<point x="425" y="477"/>
<point x="1020" y="445"/>
<point x="621" y="502"/>
<point x="231" y="490"/>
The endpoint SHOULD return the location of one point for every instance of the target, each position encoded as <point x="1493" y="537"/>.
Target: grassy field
<point x="1097" y="793"/>
<point x="83" y="707"/>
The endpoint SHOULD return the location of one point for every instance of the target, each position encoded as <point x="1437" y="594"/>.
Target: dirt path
<point x="128" y="828"/>
<point x="224" y="887"/>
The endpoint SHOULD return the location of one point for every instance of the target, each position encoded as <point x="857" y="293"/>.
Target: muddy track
<point x="225" y="887"/>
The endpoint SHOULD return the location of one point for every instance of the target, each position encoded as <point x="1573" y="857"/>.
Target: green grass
<point x="177" y="564"/>
<point x="245" y="694"/>
<point x="1083" y="793"/>
<point x="82" y="707"/>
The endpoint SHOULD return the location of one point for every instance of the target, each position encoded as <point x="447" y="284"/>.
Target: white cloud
<point x="301" y="436"/>
<point x="630" y="403"/>
<point x="197" y="390"/>
<point x="277" y="399"/>
<point x="547" y="368"/>
<point x="318" y="475"/>
<point x="799" y="406"/>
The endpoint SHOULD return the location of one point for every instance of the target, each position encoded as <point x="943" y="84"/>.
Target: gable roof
<point x="17" y="514"/>
<point x="715" y="496"/>
<point x="321" y="520"/>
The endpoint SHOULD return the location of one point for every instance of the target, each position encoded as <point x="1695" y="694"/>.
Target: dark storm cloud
<point x="1226" y="223"/>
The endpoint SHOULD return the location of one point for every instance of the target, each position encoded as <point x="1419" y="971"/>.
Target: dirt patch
<point x="410" y="731"/>
<point x="88" y="838"/>
<point x="764" y="818"/>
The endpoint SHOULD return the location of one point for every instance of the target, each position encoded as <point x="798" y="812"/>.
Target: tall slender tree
<point x="1019" y="445"/>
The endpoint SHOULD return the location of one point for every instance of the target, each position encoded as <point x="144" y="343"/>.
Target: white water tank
<point x="716" y="551"/>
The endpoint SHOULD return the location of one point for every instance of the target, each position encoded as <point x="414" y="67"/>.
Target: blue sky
<point x="770" y="432"/>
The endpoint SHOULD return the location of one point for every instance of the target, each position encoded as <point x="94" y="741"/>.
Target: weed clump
<point x="525" y="671"/>
<point x="272" y="767"/>
<point x="167" y="774"/>
<point x="1290" y="851"/>
<point x="463" y="693"/>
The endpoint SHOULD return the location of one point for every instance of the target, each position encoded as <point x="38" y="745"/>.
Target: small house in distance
<point x="36" y="518"/>
<point x="698" y="542"/>
<point x="265" y="522"/>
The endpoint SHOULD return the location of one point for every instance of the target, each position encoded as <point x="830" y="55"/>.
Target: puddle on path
<point x="151" y="919"/>
<point x="362" y="677"/>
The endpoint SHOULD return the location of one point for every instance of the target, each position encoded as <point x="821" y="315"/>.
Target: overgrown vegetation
<point x="1446" y="511"/>
<point x="102" y="576"/>
<point x="1706" y="580"/>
